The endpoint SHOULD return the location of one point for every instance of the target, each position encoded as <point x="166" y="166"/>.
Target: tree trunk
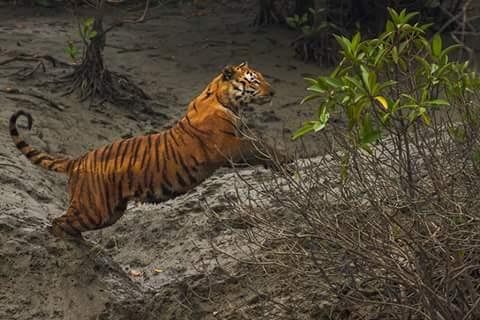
<point x="94" y="71"/>
<point x="266" y="13"/>
<point x="321" y="17"/>
<point x="93" y="80"/>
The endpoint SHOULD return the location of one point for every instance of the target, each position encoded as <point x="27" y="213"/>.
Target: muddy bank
<point x="157" y="262"/>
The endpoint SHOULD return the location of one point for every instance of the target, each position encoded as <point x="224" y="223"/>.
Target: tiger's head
<point x="242" y="85"/>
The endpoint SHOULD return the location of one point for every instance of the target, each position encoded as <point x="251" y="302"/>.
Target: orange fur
<point x="159" y="166"/>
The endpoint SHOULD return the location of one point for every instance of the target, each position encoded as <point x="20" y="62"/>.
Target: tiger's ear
<point x="243" y="64"/>
<point x="228" y="72"/>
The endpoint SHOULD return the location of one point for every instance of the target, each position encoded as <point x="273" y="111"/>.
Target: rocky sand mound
<point x="157" y="262"/>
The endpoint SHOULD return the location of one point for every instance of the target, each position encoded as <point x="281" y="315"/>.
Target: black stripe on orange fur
<point x="152" y="167"/>
<point x="35" y="156"/>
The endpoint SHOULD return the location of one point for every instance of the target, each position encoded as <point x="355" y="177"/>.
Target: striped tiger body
<point x="156" y="167"/>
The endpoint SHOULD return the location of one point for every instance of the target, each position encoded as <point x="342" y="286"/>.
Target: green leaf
<point x="365" y="78"/>
<point x="310" y="98"/>
<point x="379" y="56"/>
<point x="83" y="30"/>
<point x="403" y="65"/>
<point x="92" y="34"/>
<point x="409" y="98"/>
<point x="402" y="47"/>
<point x="393" y="15"/>
<point x="311" y="80"/>
<point x="443" y="69"/>
<point x="318" y="125"/>
<point x="413" y="115"/>
<point x="449" y="49"/>
<point x="354" y="111"/>
<point x="88" y="22"/>
<point x="332" y="82"/>
<point x="426" y="118"/>
<point x="426" y="26"/>
<point x="345" y="100"/>
<point x="437" y="102"/>
<point x="390" y="27"/>
<point x="317" y="87"/>
<point x="322" y="119"/>
<point x="356" y="41"/>
<point x="424" y="62"/>
<point x="307" y="127"/>
<point x="395" y="56"/>
<point x="387" y="84"/>
<point x="409" y="16"/>
<point x="72" y="51"/>
<point x="346" y="46"/>
<point x="436" y="45"/>
<point x="368" y="134"/>
<point x="354" y="83"/>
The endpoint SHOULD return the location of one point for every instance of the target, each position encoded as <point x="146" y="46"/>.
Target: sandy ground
<point x="147" y="265"/>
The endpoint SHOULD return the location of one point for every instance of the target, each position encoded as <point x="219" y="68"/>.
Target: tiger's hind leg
<point x="116" y="214"/>
<point x="73" y="223"/>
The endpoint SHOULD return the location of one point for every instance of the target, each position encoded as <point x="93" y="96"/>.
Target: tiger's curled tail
<point x="43" y="159"/>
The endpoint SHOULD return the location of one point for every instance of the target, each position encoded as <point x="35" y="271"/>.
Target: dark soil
<point x="157" y="261"/>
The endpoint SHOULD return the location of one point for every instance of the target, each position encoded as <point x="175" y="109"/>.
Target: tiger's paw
<point x="58" y="232"/>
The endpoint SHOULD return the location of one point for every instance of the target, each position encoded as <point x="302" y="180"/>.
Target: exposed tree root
<point x="93" y="81"/>
<point x="16" y="93"/>
<point x="41" y="63"/>
<point x="36" y="58"/>
<point x="322" y="48"/>
<point x="90" y="78"/>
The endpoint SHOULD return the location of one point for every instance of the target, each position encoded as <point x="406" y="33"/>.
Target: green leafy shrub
<point x="87" y="33"/>
<point x="392" y="87"/>
<point x="72" y="51"/>
<point x="384" y="225"/>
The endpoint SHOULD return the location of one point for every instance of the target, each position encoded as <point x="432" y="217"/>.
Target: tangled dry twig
<point x="345" y="247"/>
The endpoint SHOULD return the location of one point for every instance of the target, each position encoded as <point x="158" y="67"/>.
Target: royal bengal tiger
<point x="161" y="166"/>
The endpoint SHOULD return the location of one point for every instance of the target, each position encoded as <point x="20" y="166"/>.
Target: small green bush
<point x="393" y="86"/>
<point x="86" y="33"/>
<point x="384" y="225"/>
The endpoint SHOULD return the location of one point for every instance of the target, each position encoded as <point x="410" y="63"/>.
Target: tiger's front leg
<point x="259" y="153"/>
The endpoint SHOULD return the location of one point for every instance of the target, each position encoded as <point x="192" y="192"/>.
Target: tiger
<point x="159" y="166"/>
